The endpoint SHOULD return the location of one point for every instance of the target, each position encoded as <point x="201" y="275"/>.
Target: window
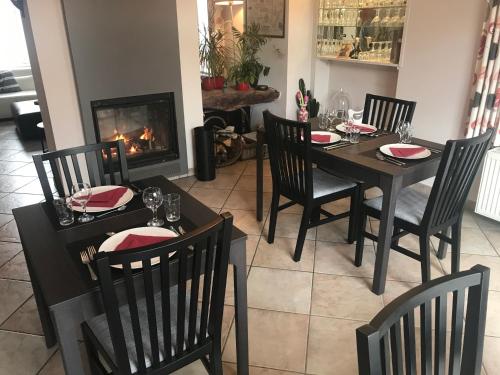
<point x="14" y="53"/>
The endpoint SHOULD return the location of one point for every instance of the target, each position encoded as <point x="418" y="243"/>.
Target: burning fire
<point x="133" y="150"/>
<point x="147" y="135"/>
<point x="119" y="136"/>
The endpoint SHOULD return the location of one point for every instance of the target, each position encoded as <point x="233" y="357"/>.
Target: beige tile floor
<point x="302" y="316"/>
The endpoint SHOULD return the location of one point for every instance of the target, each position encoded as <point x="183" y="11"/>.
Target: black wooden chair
<point x="385" y="113"/>
<point x="101" y="162"/>
<point x="429" y="215"/>
<point x="169" y="318"/>
<point x="294" y="177"/>
<point x="389" y="341"/>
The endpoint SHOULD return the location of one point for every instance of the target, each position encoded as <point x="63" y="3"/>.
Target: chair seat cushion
<point x="325" y="183"/>
<point x="99" y="327"/>
<point x="410" y="206"/>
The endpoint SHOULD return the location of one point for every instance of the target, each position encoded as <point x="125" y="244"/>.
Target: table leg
<point x="238" y="259"/>
<point x="260" y="174"/>
<point x="66" y="321"/>
<point x="43" y="310"/>
<point x="390" y="187"/>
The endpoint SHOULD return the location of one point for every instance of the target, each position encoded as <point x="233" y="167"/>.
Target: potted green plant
<point x="212" y="54"/>
<point x="246" y="67"/>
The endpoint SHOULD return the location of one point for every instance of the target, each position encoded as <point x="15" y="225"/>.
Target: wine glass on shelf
<point x="80" y="195"/>
<point x="153" y="198"/>
<point x="386" y="19"/>
<point x="376" y="20"/>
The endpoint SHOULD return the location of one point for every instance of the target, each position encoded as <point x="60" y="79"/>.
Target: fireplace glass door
<point x="146" y="124"/>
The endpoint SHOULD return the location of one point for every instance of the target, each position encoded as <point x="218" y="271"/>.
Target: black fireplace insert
<point x="146" y="124"/>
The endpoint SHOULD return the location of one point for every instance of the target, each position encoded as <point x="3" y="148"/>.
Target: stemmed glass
<point x="80" y="194"/>
<point x="153" y="198"/>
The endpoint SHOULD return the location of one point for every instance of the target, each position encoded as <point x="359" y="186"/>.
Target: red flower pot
<point x="218" y="83"/>
<point x="208" y="83"/>
<point x="242" y="86"/>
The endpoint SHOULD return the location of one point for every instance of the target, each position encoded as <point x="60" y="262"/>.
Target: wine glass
<point x="80" y="194"/>
<point x="376" y="20"/>
<point x="153" y="198"/>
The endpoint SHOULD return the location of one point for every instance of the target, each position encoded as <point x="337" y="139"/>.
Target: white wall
<point x="52" y="63"/>
<point x="301" y="15"/>
<point x="359" y="79"/>
<point x="190" y="71"/>
<point x="441" y="44"/>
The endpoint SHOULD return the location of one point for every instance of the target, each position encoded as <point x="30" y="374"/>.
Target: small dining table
<point x="64" y="292"/>
<point x="359" y="162"/>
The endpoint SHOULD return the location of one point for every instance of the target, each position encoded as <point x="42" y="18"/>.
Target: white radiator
<point x="488" y="201"/>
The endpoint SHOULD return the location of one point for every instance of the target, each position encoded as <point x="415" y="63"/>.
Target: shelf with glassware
<point x="365" y="34"/>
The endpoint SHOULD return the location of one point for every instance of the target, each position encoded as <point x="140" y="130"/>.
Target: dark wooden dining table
<point x="359" y="162"/>
<point x="64" y="292"/>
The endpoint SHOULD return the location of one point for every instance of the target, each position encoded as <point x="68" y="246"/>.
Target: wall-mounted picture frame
<point x="269" y="15"/>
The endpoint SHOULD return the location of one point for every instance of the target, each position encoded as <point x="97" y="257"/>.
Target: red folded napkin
<point x="106" y="198"/>
<point x="364" y="129"/>
<point x="133" y="241"/>
<point x="321" y="138"/>
<point x="404" y="152"/>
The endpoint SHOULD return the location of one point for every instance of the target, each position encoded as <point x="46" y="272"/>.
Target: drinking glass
<point x="172" y="206"/>
<point x="404" y="130"/>
<point x="354" y="135"/>
<point x="80" y="194"/>
<point x="322" y="121"/>
<point x="64" y="211"/>
<point x="153" y="198"/>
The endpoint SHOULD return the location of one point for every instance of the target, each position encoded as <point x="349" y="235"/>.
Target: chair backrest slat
<point x="134" y="317"/>
<point x="374" y="355"/>
<point x="458" y="167"/>
<point x="65" y="177"/>
<point x="440" y="335"/>
<point x="76" y="168"/>
<point x="377" y="109"/>
<point x="426" y="338"/>
<point x="207" y="282"/>
<point x="410" y="343"/>
<point x="66" y="172"/>
<point x="165" y="306"/>
<point x="457" y="322"/>
<point x="289" y="144"/>
<point x="168" y="296"/>
<point x="195" y="287"/>
<point x="396" y="349"/>
<point x="151" y="312"/>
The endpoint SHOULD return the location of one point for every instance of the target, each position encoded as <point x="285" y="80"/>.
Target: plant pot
<point x="218" y="83"/>
<point x="242" y="86"/>
<point x="208" y="83"/>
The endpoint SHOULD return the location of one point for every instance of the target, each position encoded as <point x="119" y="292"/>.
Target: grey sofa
<point x="25" y="80"/>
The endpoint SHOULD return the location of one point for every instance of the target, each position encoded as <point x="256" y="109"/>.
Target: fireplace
<point x="146" y="124"/>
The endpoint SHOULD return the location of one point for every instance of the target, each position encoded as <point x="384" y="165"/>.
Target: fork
<point x="84" y="256"/>
<point x="91" y="251"/>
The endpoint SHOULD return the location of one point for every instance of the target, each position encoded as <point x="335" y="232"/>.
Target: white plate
<point x="112" y="242"/>
<point x="386" y="149"/>
<point x="333" y="137"/>
<point x="341" y="128"/>
<point x="127" y="197"/>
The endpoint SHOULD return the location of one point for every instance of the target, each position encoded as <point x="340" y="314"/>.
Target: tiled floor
<point x="302" y="316"/>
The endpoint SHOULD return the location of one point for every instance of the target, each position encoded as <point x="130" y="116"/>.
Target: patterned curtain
<point x="486" y="85"/>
